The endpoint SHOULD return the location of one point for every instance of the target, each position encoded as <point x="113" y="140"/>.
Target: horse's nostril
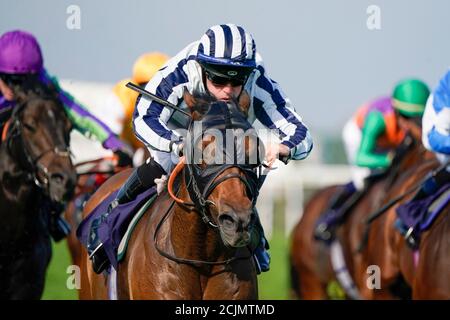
<point x="227" y="221"/>
<point x="57" y="178"/>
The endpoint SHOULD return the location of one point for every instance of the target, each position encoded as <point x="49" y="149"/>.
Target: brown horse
<point x="310" y="260"/>
<point x="311" y="266"/>
<point x="386" y="248"/>
<point x="189" y="259"/>
<point x="426" y="270"/>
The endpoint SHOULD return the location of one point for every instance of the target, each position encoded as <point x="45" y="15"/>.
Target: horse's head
<point x="222" y="157"/>
<point x="411" y="151"/>
<point x="38" y="140"/>
<point x="413" y="126"/>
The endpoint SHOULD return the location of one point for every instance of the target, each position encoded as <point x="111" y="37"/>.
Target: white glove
<point x="161" y="183"/>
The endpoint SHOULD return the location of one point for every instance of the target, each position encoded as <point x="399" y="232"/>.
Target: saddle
<point x="418" y="216"/>
<point x="118" y="225"/>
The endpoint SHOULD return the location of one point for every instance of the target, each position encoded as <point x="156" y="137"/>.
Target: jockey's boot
<point x="260" y="246"/>
<point x="141" y="179"/>
<point x="335" y="215"/>
<point x="59" y="227"/>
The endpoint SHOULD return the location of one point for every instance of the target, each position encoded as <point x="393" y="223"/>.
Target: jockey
<point x="20" y="60"/>
<point x="370" y="138"/>
<point x="223" y="63"/>
<point x="436" y="138"/>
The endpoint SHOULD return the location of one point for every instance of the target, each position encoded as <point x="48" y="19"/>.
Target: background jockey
<point x="222" y="63"/>
<point x="436" y="138"/>
<point x="21" y="63"/>
<point x="370" y="138"/>
<point x="123" y="99"/>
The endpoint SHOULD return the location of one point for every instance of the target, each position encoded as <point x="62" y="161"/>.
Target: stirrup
<point x="99" y="259"/>
<point x="92" y="254"/>
<point x="411" y="240"/>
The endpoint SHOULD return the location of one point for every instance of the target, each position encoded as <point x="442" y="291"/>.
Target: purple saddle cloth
<point x="112" y="228"/>
<point x="421" y="214"/>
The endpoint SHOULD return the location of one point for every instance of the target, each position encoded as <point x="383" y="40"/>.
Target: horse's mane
<point x="31" y="86"/>
<point x="203" y="102"/>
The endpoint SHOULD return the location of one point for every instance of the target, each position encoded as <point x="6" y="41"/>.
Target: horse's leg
<point x="28" y="272"/>
<point x="309" y="262"/>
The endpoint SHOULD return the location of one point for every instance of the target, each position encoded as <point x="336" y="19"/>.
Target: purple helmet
<point x="20" y="53"/>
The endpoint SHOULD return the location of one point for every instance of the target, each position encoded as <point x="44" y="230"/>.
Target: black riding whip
<point x="152" y="96"/>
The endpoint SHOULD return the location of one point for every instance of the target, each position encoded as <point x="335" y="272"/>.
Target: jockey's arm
<point x="436" y="127"/>
<point x="274" y="111"/>
<point x="150" y="118"/>
<point x="83" y="121"/>
<point x="374" y="127"/>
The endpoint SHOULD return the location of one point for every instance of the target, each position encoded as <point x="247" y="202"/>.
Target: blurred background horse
<point x="36" y="173"/>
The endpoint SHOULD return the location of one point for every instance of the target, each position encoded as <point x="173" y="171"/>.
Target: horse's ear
<point x="189" y="100"/>
<point x="244" y="102"/>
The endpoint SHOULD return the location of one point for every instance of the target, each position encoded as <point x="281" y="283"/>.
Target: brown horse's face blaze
<point x="44" y="128"/>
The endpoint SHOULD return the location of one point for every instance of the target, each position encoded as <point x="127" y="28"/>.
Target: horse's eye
<point x="29" y="127"/>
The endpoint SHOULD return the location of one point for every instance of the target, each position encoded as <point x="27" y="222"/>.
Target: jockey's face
<point x="6" y="91"/>
<point x="223" y="92"/>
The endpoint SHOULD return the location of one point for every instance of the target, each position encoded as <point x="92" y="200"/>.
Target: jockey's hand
<point x="275" y="151"/>
<point x="177" y="148"/>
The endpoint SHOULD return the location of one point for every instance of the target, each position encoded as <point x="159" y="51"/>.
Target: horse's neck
<point x="192" y="238"/>
<point x="13" y="178"/>
<point x="16" y="193"/>
<point x="415" y="156"/>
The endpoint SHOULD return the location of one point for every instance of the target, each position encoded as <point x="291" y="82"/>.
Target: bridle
<point x="201" y="181"/>
<point x="34" y="169"/>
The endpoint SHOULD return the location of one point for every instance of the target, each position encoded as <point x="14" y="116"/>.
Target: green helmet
<point x="410" y="97"/>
